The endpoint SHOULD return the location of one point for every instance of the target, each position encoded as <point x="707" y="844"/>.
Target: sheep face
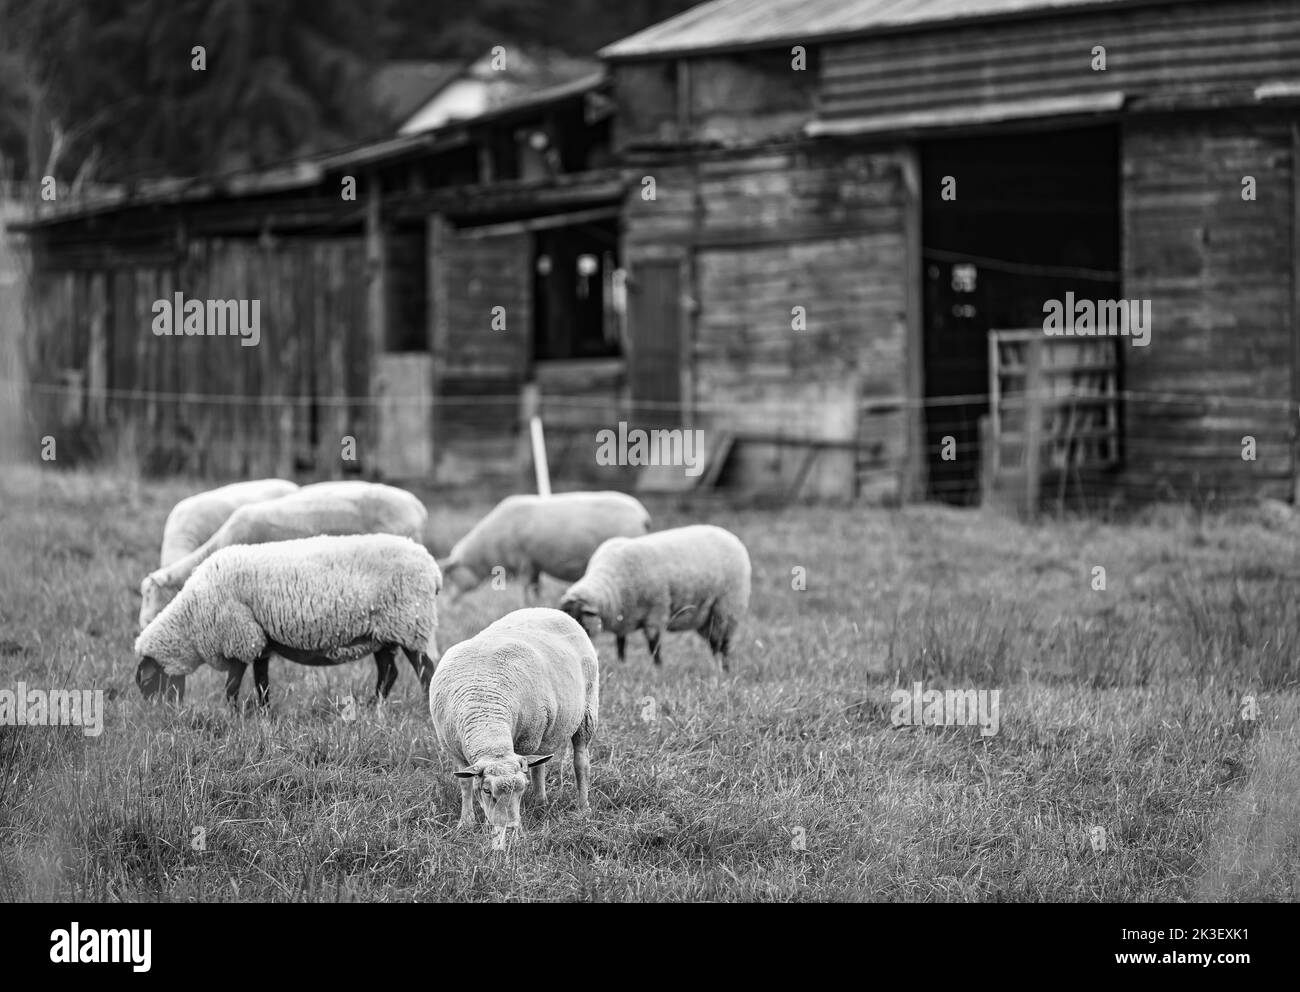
<point x="153" y="597"/>
<point x="584" y="614"/>
<point x="153" y="680"/>
<point x="501" y="784"/>
<point x="457" y="579"/>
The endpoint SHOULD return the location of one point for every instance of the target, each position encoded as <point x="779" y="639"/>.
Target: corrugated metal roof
<point x="723" y="24"/>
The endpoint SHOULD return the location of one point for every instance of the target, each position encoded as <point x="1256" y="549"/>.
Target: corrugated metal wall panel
<point x="1196" y="47"/>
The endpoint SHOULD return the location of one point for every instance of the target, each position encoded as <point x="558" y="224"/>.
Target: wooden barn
<point x="828" y="234"/>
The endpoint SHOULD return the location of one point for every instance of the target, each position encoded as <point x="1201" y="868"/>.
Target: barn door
<point x="482" y="344"/>
<point x="654" y="360"/>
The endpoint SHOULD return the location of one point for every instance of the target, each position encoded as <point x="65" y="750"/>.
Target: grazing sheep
<point x="324" y="508"/>
<point x="316" y="601"/>
<point x="507" y="700"/>
<point x="530" y="535"/>
<point x="688" y="578"/>
<point x="196" y="518"/>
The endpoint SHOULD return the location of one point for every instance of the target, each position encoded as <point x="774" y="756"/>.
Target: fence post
<point x="1033" y="422"/>
<point x="539" y="458"/>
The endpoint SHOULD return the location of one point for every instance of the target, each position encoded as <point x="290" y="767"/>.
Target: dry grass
<point x="1119" y="709"/>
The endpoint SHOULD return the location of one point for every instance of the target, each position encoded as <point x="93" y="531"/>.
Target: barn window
<point x="573" y="291"/>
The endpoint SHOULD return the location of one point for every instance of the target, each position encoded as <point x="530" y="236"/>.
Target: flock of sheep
<point x="332" y="572"/>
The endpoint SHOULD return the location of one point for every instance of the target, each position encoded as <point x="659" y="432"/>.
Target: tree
<point x="115" y="81"/>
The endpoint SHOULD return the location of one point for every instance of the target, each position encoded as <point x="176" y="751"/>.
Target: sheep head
<point x="457" y="578"/>
<point x="501" y="784"/>
<point x="580" y="610"/>
<point x="153" y="680"/>
<point x="153" y="597"/>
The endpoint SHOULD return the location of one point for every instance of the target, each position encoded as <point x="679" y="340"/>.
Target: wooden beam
<point x="541" y="223"/>
<point x="746" y="237"/>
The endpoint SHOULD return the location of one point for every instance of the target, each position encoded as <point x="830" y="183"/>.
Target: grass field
<point x="1119" y="709"/>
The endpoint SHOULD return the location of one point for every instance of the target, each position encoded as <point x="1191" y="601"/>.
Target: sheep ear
<point x="537" y="759"/>
<point x="466" y="773"/>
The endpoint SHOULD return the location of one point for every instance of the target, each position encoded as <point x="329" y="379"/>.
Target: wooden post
<point x="439" y="328"/>
<point x="97" y="359"/>
<point x="914" y="461"/>
<point x="376" y="308"/>
<point x="1033" y="422"/>
<point x="376" y="267"/>
<point x="533" y="443"/>
<point x="1294" y="412"/>
<point x="530" y="401"/>
<point x="539" y="458"/>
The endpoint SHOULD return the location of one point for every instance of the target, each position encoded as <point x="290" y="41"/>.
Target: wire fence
<point x="1180" y="446"/>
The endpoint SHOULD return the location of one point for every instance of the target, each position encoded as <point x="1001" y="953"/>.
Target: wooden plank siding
<point x="1199" y="47"/>
<point x="1218" y="272"/>
<point x="208" y="405"/>
<point x="818" y="227"/>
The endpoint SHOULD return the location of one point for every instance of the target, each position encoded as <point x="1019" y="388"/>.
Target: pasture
<point x="1120" y="709"/>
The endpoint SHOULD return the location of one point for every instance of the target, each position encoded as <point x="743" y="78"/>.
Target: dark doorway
<point x="572" y="271"/>
<point x="1027" y="218"/>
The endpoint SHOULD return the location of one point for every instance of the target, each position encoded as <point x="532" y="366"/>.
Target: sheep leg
<point x="533" y="589"/>
<point x="262" y="680"/>
<point x="467" y="786"/>
<point x="234" y="679"/>
<point x="719" y="638"/>
<point x="652" y="637"/>
<point x="423" y="666"/>
<point x="621" y="641"/>
<point x="538" y="773"/>
<point x="581" y="768"/>
<point x="385" y="671"/>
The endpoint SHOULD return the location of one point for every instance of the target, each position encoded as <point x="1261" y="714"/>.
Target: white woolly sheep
<point x="324" y="508"/>
<point x="688" y="578"/>
<point x="507" y="700"/>
<point x="315" y="601"/>
<point x="530" y="535"/>
<point x="196" y="518"/>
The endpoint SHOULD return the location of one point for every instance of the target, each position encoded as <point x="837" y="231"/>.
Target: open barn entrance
<point x="1008" y="222"/>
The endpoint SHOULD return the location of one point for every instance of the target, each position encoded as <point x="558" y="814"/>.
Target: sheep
<point x="316" y="601"/>
<point x="506" y="700"/>
<point x="527" y="535"/>
<point x="688" y="578"/>
<point x="196" y="518"/>
<point x="324" y="508"/>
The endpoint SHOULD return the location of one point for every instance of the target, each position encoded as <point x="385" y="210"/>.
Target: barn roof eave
<point x="689" y="35"/>
<point x="301" y="173"/>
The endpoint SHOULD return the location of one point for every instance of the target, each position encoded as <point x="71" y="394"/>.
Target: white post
<point x="539" y="457"/>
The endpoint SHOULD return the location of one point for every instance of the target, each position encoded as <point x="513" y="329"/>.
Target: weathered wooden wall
<point x="1179" y="48"/>
<point x="1218" y="270"/>
<point x="816" y="227"/>
<point x="209" y="405"/>
<point x="743" y="97"/>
